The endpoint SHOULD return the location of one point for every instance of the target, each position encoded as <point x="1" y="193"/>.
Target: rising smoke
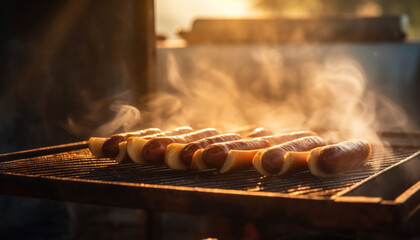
<point x="260" y="87"/>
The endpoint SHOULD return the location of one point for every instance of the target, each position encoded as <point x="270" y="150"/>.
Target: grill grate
<point x="80" y="165"/>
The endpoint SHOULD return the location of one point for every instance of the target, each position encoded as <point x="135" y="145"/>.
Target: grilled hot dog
<point x="288" y="136"/>
<point x="122" y="156"/>
<point x="197" y="162"/>
<point x="237" y="160"/>
<point x="110" y="146"/>
<point x="188" y="151"/>
<point x="154" y="150"/>
<point x="135" y="144"/>
<point x="259" y="132"/>
<point x="335" y="159"/>
<point x="178" y="156"/>
<point x="271" y="161"/>
<point x="215" y="156"/>
<point x="173" y="132"/>
<point x="96" y="144"/>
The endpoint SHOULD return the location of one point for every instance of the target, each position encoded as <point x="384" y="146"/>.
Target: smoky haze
<point x="231" y="88"/>
<point x="257" y="86"/>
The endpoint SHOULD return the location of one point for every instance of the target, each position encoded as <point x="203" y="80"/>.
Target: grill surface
<point x="81" y="165"/>
<point x="74" y="175"/>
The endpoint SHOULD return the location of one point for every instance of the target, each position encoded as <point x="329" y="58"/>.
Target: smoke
<point x="260" y="87"/>
<point x="124" y="117"/>
<point x="226" y="87"/>
<point x="337" y="101"/>
<point x="331" y="96"/>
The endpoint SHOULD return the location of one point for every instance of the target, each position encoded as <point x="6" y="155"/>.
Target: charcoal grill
<point x="357" y="199"/>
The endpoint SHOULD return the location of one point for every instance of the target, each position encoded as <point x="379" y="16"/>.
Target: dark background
<point x="63" y="64"/>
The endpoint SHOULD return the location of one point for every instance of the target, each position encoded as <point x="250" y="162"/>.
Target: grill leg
<point x="153" y="226"/>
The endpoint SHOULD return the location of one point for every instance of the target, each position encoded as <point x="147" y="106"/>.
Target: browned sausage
<point x="259" y="132"/>
<point x="215" y="154"/>
<point x="122" y="156"/>
<point x="289" y="136"/>
<point x="272" y="159"/>
<point x="143" y="132"/>
<point x="154" y="150"/>
<point x="110" y="147"/>
<point x="135" y="144"/>
<point x="173" y="132"/>
<point x="95" y="146"/>
<point x="335" y="159"/>
<point x="188" y="151"/>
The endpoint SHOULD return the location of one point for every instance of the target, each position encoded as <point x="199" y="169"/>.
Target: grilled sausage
<point x="335" y="159"/>
<point x="197" y="162"/>
<point x="259" y="132"/>
<point x="135" y="144"/>
<point x="289" y="136"/>
<point x="215" y="154"/>
<point x="154" y="150"/>
<point x="174" y="151"/>
<point x="294" y="162"/>
<point x="237" y="160"/>
<point x="95" y="146"/>
<point x="173" y="132"/>
<point x="122" y="156"/>
<point x="270" y="161"/>
<point x="110" y="145"/>
<point x="188" y="151"/>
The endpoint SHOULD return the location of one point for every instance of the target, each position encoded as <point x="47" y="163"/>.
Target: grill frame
<point x="338" y="210"/>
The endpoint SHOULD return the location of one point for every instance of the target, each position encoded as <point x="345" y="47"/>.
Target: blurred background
<point x="180" y="14"/>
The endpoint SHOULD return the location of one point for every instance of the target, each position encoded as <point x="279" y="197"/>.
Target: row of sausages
<point x="270" y="154"/>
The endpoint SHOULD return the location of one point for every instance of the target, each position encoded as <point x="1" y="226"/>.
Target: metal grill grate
<point x="80" y="165"/>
